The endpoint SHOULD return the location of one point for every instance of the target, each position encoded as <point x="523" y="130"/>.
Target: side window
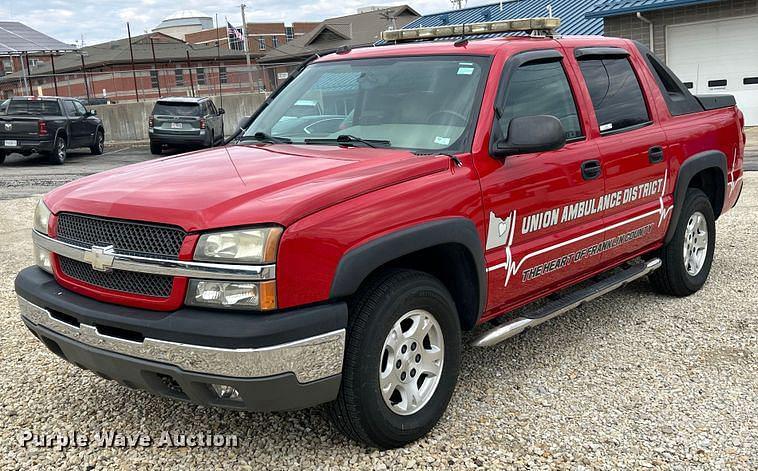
<point x="80" y="111"/>
<point x="678" y="98"/>
<point x="69" y="107"/>
<point x="615" y="92"/>
<point x="541" y="89"/>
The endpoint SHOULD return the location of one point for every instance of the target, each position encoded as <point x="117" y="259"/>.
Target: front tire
<point x="687" y="258"/>
<point x="59" y="152"/>
<point x="401" y="360"/>
<point x="98" y="147"/>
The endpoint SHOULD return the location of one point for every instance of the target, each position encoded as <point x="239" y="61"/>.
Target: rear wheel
<point x="401" y="360"/>
<point x="58" y="154"/>
<point x="156" y="148"/>
<point x="687" y="258"/>
<point x="98" y="146"/>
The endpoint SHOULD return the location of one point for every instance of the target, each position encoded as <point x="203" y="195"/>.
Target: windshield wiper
<point x="347" y="139"/>
<point x="263" y="137"/>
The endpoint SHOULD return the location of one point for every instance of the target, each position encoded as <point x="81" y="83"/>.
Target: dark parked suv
<point x="185" y="122"/>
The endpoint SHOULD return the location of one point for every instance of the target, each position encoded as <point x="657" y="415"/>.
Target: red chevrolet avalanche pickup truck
<point x="337" y="257"/>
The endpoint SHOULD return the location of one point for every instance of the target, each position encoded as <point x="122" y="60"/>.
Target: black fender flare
<point x="691" y="167"/>
<point x="68" y="137"/>
<point x="356" y="264"/>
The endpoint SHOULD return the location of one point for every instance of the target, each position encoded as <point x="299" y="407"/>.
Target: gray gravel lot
<point x="630" y="380"/>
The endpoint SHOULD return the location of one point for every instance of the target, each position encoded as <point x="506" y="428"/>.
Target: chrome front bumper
<point x="310" y="359"/>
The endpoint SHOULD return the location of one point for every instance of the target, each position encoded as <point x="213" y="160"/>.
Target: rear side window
<point x="678" y="98"/>
<point x="541" y="89"/>
<point x="34" y="107"/>
<point x="615" y="92"/>
<point x="165" y="108"/>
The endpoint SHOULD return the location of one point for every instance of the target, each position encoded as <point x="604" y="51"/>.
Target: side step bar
<point x="566" y="303"/>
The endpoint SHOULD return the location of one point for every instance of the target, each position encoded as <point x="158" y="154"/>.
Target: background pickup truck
<point x="468" y="181"/>
<point x="50" y="126"/>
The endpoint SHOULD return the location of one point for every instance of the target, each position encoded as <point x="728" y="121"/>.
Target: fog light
<point x="232" y="295"/>
<point x="226" y="392"/>
<point x="42" y="259"/>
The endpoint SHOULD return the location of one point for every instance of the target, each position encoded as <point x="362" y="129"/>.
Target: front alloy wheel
<point x="58" y="155"/>
<point x="412" y="360"/>
<point x="401" y="359"/>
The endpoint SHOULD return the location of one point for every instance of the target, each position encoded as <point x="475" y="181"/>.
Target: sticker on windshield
<point x="443" y="141"/>
<point x="465" y="70"/>
<point x="606" y="127"/>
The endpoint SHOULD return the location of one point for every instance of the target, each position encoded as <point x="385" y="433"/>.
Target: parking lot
<point x="630" y="380"/>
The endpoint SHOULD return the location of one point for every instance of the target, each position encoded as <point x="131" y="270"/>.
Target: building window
<point x="261" y="43"/>
<point x="179" y="77"/>
<point x="222" y="75"/>
<point x="154" y="79"/>
<point x="201" y="76"/>
<point x="274" y="42"/>
<point x="289" y="31"/>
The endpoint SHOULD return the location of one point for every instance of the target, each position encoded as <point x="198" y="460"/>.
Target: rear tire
<point x="58" y="155"/>
<point x="687" y="258"/>
<point x="155" y="148"/>
<point x="403" y="332"/>
<point x="99" y="146"/>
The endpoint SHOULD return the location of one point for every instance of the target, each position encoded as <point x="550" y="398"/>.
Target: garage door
<point x="718" y="57"/>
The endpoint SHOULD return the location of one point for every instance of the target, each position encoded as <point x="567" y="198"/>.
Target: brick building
<point x="261" y="37"/>
<point x="163" y="66"/>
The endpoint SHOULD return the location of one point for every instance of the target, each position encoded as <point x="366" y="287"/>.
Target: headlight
<point x="254" y="246"/>
<point x="232" y="294"/>
<point x="41" y="217"/>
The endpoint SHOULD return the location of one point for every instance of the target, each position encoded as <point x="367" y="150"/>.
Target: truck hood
<point x="238" y="185"/>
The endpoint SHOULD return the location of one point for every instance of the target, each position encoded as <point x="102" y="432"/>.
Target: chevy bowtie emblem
<point x="101" y="258"/>
<point x="8" y="126"/>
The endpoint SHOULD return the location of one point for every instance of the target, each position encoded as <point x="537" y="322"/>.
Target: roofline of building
<point x="644" y="8"/>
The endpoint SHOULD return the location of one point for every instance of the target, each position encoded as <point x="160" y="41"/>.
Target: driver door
<point x="540" y="208"/>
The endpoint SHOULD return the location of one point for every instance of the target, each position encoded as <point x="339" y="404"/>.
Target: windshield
<point x="419" y="103"/>
<point x="34" y="107"/>
<point x="167" y="108"/>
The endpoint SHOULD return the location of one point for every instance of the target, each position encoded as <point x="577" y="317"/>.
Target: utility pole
<point x="84" y="75"/>
<point x="155" y="66"/>
<point x="247" y="49"/>
<point x="218" y="63"/>
<point x="131" y="55"/>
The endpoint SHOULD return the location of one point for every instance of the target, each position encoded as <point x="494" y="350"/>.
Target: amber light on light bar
<point x="505" y="26"/>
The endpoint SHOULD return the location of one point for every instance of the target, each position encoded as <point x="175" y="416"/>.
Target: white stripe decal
<point x="512" y="267"/>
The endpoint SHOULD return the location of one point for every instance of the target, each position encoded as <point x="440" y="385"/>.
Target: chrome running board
<point x="565" y="303"/>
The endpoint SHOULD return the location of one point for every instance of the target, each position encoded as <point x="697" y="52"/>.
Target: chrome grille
<point x="127" y="237"/>
<point x="144" y="284"/>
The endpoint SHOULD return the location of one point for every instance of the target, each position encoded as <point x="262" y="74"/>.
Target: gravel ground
<point x="632" y="380"/>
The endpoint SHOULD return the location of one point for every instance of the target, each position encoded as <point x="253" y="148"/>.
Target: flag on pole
<point x="235" y="35"/>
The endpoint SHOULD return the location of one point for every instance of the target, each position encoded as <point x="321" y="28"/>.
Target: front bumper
<point x="281" y="361"/>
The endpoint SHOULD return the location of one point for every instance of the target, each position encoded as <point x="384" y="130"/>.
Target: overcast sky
<point x="104" y="20"/>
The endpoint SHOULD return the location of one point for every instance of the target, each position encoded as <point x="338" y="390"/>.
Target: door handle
<point x="591" y="169"/>
<point x="655" y="154"/>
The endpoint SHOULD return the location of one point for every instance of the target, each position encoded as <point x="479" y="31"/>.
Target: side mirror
<point x="91" y="113"/>
<point x="529" y="134"/>
<point x="221" y="111"/>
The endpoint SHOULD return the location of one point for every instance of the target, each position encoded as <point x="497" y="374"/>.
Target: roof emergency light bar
<point x="547" y="24"/>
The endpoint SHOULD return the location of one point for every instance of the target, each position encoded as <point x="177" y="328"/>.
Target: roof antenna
<point x="463" y="40"/>
<point x="549" y="10"/>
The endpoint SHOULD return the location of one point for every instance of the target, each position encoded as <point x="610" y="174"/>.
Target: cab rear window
<point x="34" y="107"/>
<point x="177" y="109"/>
